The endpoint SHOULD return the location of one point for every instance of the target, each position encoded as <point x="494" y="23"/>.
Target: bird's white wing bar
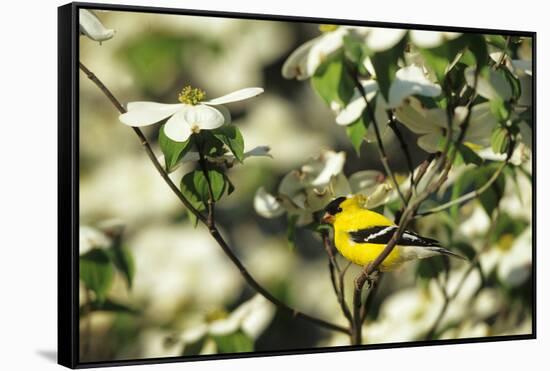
<point x="383" y="234"/>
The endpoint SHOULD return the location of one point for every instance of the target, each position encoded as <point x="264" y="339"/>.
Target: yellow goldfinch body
<point x="360" y="235"/>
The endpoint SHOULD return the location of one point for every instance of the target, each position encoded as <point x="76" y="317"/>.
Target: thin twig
<point x="468" y="196"/>
<point x="212" y="229"/>
<point x="380" y="145"/>
<point x="448" y="298"/>
<point x="203" y="164"/>
<point x="338" y="285"/>
<point x="404" y="148"/>
<point x="370" y="298"/>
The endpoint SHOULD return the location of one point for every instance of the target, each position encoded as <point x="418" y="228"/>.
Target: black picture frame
<point x="68" y="186"/>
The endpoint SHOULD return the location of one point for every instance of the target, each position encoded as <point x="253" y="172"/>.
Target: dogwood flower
<point x="431" y="124"/>
<point x="302" y="63"/>
<point x="91" y="26"/>
<point x="252" y="317"/>
<point x="408" y="81"/>
<point x="308" y="189"/>
<point x="431" y="39"/>
<point x="188" y="117"/>
<point x="91" y="238"/>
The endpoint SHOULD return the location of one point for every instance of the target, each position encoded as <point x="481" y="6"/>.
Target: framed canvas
<point x="237" y="185"/>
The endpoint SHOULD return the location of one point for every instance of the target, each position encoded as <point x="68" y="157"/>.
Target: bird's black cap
<point x="333" y="206"/>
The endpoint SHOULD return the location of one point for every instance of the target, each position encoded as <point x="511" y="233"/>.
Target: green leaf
<point x="443" y="58"/>
<point x="187" y="187"/>
<point x="430" y="268"/>
<point x="500" y="109"/>
<point x="465" y="249"/>
<point x="209" y="144"/>
<point x="514" y="82"/>
<point x="385" y="65"/>
<point x="237" y="342"/>
<point x="173" y="151"/>
<point x="96" y="271"/>
<point x="477" y="45"/>
<point x="231" y="136"/>
<point x="492" y="196"/>
<point x="194" y="348"/>
<point x="109" y="305"/>
<point x="230" y="185"/>
<point x="355" y="49"/>
<point x="356" y="132"/>
<point x="500" y="140"/>
<point x="468" y="156"/>
<point x="332" y="81"/>
<point x="497" y="41"/>
<point x="440" y="58"/>
<point x="194" y="187"/>
<point x="475" y="178"/>
<point x="123" y="261"/>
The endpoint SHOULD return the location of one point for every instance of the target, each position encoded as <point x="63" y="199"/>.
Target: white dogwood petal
<point x="266" y="204"/>
<point x="235" y="96"/>
<point x="430" y="142"/>
<point x="411" y="80"/>
<point x="380" y="39"/>
<point x="332" y="165"/>
<point x="365" y="181"/>
<point x="421" y="120"/>
<point x="327" y="44"/>
<point x="355" y="108"/>
<point x="295" y="64"/>
<point x="177" y="128"/>
<point x="431" y="39"/>
<point x="379" y="195"/>
<point x="203" y="117"/>
<point x="495" y="86"/>
<point x="92" y="27"/>
<point x="291" y="186"/>
<point x="426" y="39"/>
<point x="148" y="113"/>
<point x="352" y="111"/>
<point x="258" y="151"/>
<point x="481" y="125"/>
<point x="225" y="112"/>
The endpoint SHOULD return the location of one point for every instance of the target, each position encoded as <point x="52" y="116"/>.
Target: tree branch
<point x="338" y="286"/>
<point x="212" y="229"/>
<point x="404" y="148"/>
<point x="380" y="144"/>
<point x="203" y="164"/>
<point x="466" y="197"/>
<point x="449" y="298"/>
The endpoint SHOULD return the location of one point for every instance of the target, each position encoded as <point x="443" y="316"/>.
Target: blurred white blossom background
<point x="183" y="285"/>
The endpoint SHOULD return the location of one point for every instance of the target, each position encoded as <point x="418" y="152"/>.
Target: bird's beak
<point x="328" y="218"/>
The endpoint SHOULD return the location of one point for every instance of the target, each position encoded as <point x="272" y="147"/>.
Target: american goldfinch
<point x="360" y="235"/>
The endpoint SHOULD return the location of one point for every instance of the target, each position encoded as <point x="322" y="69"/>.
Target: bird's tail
<point x="442" y="251"/>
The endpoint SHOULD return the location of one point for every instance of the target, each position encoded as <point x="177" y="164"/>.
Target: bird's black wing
<point x="383" y="234"/>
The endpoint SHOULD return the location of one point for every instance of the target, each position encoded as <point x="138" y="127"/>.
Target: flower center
<point x="505" y="242"/>
<point x="195" y="129"/>
<point x="327" y="27"/>
<point x="191" y="95"/>
<point x="215" y="315"/>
